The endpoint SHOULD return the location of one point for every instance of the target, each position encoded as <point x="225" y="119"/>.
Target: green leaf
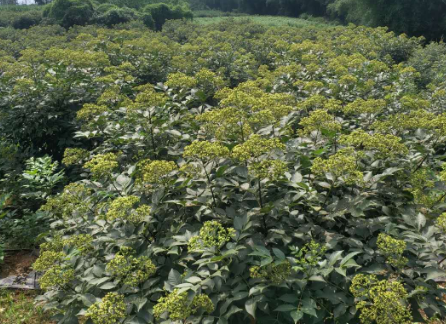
<point x="194" y="280"/>
<point x="279" y="254"/>
<point x="88" y="299"/>
<point x="285" y="308"/>
<point x="349" y="256"/>
<point x="250" y="306"/>
<point x="297" y="315"/>
<point x="309" y="307"/>
<point x="174" y="278"/>
<point x="334" y="257"/>
<point x="108" y="286"/>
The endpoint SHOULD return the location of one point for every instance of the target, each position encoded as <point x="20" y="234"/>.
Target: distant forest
<point x="414" y="17"/>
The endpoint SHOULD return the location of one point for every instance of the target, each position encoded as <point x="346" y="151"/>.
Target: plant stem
<point x="265" y="227"/>
<point x="210" y="185"/>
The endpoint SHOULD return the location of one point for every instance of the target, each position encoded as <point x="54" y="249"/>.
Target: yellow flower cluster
<point x="255" y="147"/>
<point x="56" y="244"/>
<point x="178" y="306"/>
<point x="386" y="146"/>
<point x="90" y="111"/>
<point x="342" y="166"/>
<point x="361" y="106"/>
<point x="441" y="222"/>
<point x="319" y="120"/>
<point x="123" y="208"/>
<point x="310" y="254"/>
<point x="48" y="259"/>
<point x="148" y="97"/>
<point x="52" y="252"/>
<point x="113" y="98"/>
<point x="269" y="169"/>
<point x="206" y="151"/>
<point x="155" y="172"/>
<point x="74" y="156"/>
<point x="209" y="80"/>
<point x="254" y="105"/>
<point x="381" y="302"/>
<point x="180" y="81"/>
<point x="190" y="170"/>
<point x="413" y="102"/>
<point x="410" y="121"/>
<point x="392" y="249"/>
<point x="212" y="235"/>
<point x="226" y="124"/>
<point x="102" y="165"/>
<point x="82" y="242"/>
<point x="110" y="310"/>
<point x="56" y="276"/>
<point x="71" y="200"/>
<point x="130" y="270"/>
<point x="276" y="273"/>
<point x="77" y="59"/>
<point x="422" y="188"/>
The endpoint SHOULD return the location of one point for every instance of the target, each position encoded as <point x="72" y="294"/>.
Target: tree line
<point x="413" y="17"/>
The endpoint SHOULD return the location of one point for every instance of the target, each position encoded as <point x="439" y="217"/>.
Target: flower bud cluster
<point x="342" y="166"/>
<point x="212" y="235"/>
<point x="206" y="151"/>
<point x="386" y="146"/>
<point x="178" y="306"/>
<point x="71" y="200"/>
<point x="319" y="120"/>
<point x="56" y="277"/>
<point x="276" y="273"/>
<point x="110" y="310"/>
<point x="381" y="302"/>
<point x="75" y="156"/>
<point x="102" y="165"/>
<point x="155" y="172"/>
<point x="130" y="270"/>
<point x="392" y="249"/>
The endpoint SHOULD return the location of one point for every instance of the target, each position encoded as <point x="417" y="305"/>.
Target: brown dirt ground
<point x="17" y="263"/>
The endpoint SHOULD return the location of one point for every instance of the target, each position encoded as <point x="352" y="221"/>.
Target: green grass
<point x="17" y="307"/>
<point x="267" y="20"/>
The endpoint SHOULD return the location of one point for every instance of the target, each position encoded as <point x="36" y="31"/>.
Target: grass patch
<point x="17" y="307"/>
<point x="267" y="20"/>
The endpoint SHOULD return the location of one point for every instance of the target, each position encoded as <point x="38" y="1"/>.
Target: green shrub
<point x="46" y="10"/>
<point x="27" y="20"/>
<point x="104" y="7"/>
<point x="162" y="12"/>
<point x="116" y="16"/>
<point x="148" y="20"/>
<point x="71" y="12"/>
<point x="229" y="173"/>
<point x="159" y="12"/>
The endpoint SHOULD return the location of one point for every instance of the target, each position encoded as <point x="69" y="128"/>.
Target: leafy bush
<point x="71" y="12"/>
<point x="27" y="20"/>
<point x="104" y="7"/>
<point x="231" y="173"/>
<point x="40" y="177"/>
<point x="148" y="20"/>
<point x="162" y="12"/>
<point x="20" y="226"/>
<point x="116" y="16"/>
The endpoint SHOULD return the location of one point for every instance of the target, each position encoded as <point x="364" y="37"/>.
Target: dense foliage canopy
<point x="230" y="173"/>
<point x="69" y="13"/>
<point x="413" y="17"/>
